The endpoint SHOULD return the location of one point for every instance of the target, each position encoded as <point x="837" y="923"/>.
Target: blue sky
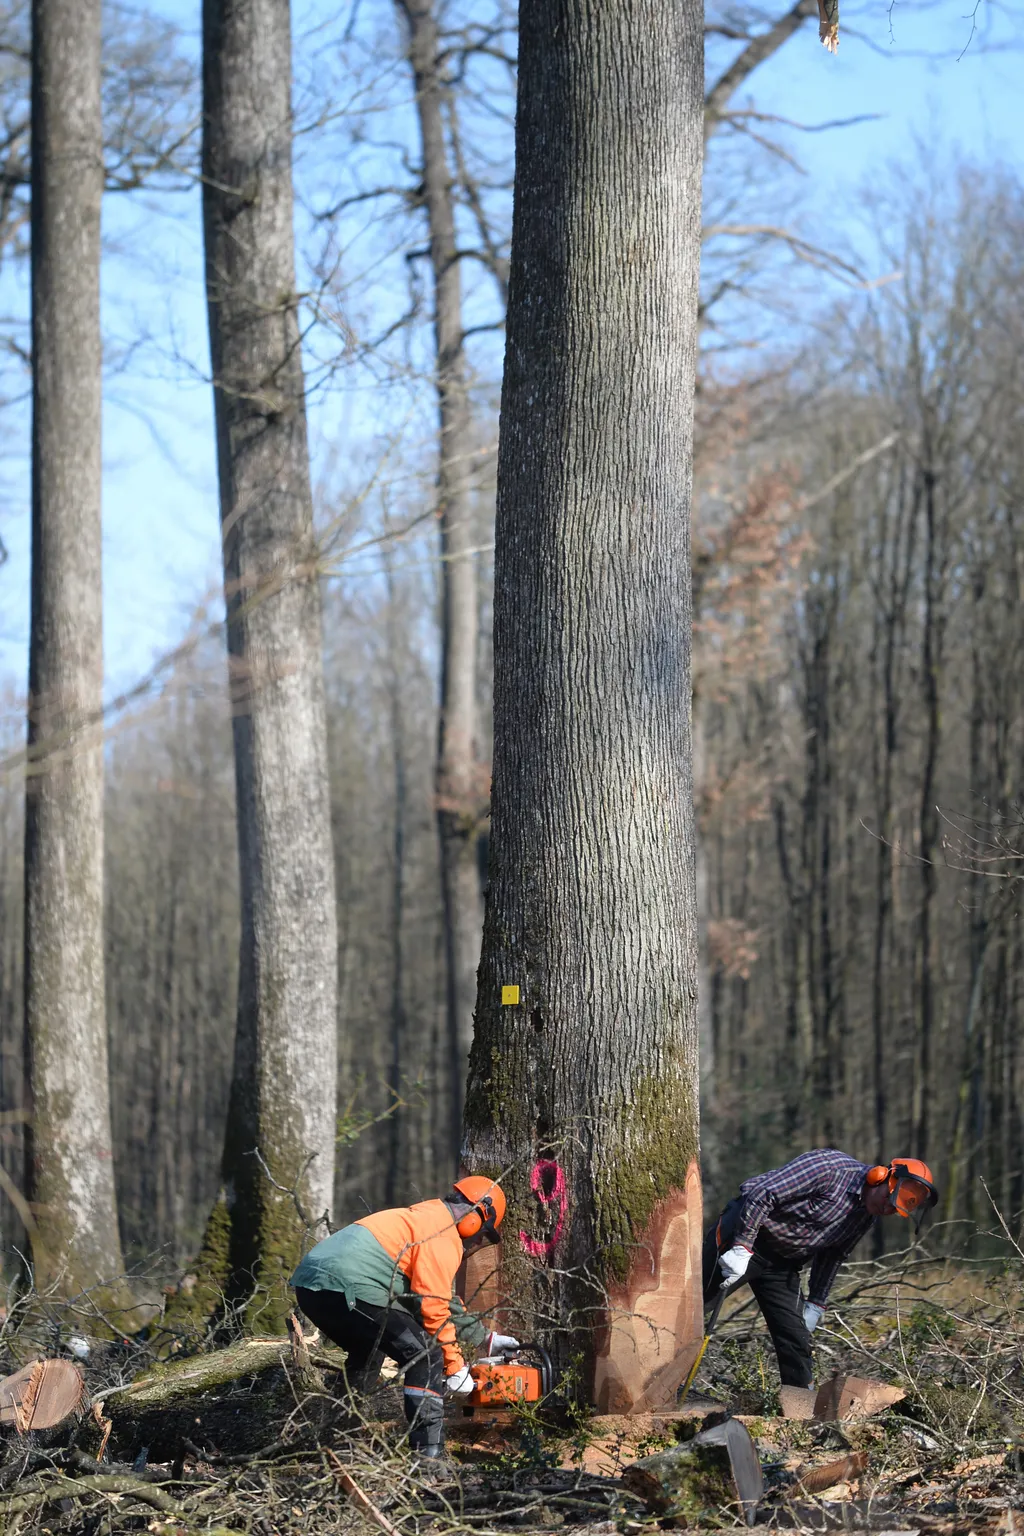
<point x="916" y="65"/>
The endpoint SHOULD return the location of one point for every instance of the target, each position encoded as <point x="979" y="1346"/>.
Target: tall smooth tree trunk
<point x="70" y="1171"/>
<point x="395" y="1177"/>
<point x="281" y="1118"/>
<point x="928" y="825"/>
<point x="460" y="779"/>
<point x="583" y="1088"/>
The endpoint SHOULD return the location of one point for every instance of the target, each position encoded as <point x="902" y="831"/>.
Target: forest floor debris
<point x="945" y="1460"/>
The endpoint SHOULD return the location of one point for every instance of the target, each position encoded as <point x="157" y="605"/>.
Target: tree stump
<point x="718" y="1469"/>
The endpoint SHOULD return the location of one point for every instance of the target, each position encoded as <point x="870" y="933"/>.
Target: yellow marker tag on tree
<point x="509" y="995"/>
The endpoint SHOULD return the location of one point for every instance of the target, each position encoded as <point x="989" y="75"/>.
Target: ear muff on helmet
<point x="877" y="1175"/>
<point x="487" y="1200"/>
<point x="482" y="1218"/>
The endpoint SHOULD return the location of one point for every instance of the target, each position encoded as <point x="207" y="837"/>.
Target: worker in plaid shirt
<point x="813" y="1210"/>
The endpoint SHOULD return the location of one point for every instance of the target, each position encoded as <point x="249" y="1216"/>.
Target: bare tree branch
<point x="753" y="55"/>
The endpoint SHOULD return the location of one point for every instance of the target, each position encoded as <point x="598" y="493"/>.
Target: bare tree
<point x="584" y="1074"/>
<point x="281" y="1118"/>
<point x="69" y="1163"/>
<point x="462" y="780"/>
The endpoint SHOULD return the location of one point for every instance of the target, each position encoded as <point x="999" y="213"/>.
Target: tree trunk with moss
<point x="279" y="1150"/>
<point x="230" y="1401"/>
<point x="70" y="1170"/>
<point x="585" y="1084"/>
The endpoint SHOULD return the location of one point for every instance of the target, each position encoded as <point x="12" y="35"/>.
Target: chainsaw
<point x="500" y="1381"/>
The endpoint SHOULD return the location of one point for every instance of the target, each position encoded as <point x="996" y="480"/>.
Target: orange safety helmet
<point x="488" y="1201"/>
<point x="910" y="1184"/>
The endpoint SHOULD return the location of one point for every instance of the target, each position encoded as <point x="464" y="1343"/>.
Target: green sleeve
<point x="471" y="1330"/>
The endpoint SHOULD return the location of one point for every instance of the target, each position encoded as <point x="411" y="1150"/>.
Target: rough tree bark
<point x="461" y="785"/>
<point x="283" y="1088"/>
<point x="70" y="1171"/>
<point x="928" y="813"/>
<point x="585" y="1088"/>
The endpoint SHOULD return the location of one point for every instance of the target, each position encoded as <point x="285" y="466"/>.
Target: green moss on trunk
<point x="197" y="1301"/>
<point x="657" y="1142"/>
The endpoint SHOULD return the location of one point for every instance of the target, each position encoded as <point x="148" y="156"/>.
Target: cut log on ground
<point x="718" y="1469"/>
<point x="41" y="1395"/>
<point x="235" y="1401"/>
<point x="854" y="1397"/>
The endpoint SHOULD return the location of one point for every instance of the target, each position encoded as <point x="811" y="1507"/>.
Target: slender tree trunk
<point x="794" y="1058"/>
<point x="705" y="986"/>
<point x="929" y="827"/>
<point x="282" y="1107"/>
<point x="70" y="1170"/>
<point x="591" y="908"/>
<point x="461" y="780"/>
<point x="399" y="1028"/>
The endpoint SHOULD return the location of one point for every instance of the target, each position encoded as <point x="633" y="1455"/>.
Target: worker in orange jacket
<point x="384" y="1287"/>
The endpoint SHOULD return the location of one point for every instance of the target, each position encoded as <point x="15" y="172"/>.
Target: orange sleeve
<point x="433" y="1266"/>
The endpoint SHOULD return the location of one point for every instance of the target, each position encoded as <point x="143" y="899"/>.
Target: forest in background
<point x="857" y="712"/>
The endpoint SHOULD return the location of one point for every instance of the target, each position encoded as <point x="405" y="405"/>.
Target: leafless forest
<point x="858" y="661"/>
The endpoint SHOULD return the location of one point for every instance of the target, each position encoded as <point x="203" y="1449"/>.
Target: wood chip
<point x="105" y="1425"/>
<point x="797" y="1402"/>
<point x="854" y="1397"/>
<point x="817" y="1479"/>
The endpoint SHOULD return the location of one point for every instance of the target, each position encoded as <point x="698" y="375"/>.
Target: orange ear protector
<point x="877" y="1175"/>
<point x="482" y="1218"/>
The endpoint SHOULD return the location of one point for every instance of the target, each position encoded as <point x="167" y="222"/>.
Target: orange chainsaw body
<point x="515" y="1379"/>
<point x="507" y="1381"/>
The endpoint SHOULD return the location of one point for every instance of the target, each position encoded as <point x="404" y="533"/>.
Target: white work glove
<point x="461" y="1383"/>
<point x="813" y="1315"/>
<point x="733" y="1263"/>
<point x="498" y="1343"/>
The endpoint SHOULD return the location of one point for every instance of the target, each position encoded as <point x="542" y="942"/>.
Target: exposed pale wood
<point x="41" y="1395"/>
<point x="854" y="1397"/>
<point x="796" y="1402"/>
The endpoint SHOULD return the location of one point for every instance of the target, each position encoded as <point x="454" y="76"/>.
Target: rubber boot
<point x="424" y="1414"/>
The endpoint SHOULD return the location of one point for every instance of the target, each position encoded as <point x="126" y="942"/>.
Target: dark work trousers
<point x="368" y="1334"/>
<point x="775" y="1282"/>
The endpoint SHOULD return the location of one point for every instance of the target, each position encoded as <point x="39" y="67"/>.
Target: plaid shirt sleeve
<point x="813" y="1175"/>
<point x="824" y="1269"/>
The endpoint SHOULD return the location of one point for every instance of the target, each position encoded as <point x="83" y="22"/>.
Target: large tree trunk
<point x="70" y="1171"/>
<point x="586" y="1086"/>
<point x="461" y="779"/>
<point x="283" y="1089"/>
